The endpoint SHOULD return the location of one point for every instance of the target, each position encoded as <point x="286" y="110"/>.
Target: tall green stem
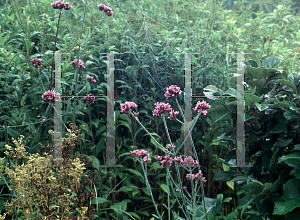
<point x="176" y="167"/>
<point x="159" y="145"/>
<point x="149" y="188"/>
<point x="76" y="73"/>
<point x="168" y="176"/>
<point x="194" y="197"/>
<point x="77" y="67"/>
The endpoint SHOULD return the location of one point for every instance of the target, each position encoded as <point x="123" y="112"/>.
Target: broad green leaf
<point x="281" y="127"/>
<point x="223" y="116"/>
<point x="245" y="206"/>
<point x="239" y="178"/>
<point x="216" y="142"/>
<point x="272" y="187"/>
<point x="232" y="103"/>
<point x="272" y="161"/>
<point x="256" y="181"/>
<point x="287" y="83"/>
<point x="211" y="88"/>
<point x="261" y="107"/>
<point x="126" y="86"/>
<point x="271" y="62"/>
<point x="16" y="81"/>
<point x="228" y="199"/>
<point x="291" y="190"/>
<point x="294" y="78"/>
<point x="121" y="206"/>
<point x="290" y="115"/>
<point x="161" y="175"/>
<point x="153" y="134"/>
<point x="297" y="147"/>
<point x="88" y="62"/>
<point x="254" y="57"/>
<point x="68" y="74"/>
<point x="230" y="184"/>
<point x="95" y="161"/>
<point x="143" y="213"/>
<point x="225" y="167"/>
<point x="285" y="104"/>
<point x="145" y="190"/>
<point x="134" y="214"/>
<point x="257" y="73"/>
<point x="220" y="196"/>
<point x="124" y="189"/>
<point x="282" y="208"/>
<point x="165" y="188"/>
<point x="294" y="108"/>
<point x="153" y="142"/>
<point x="296" y="173"/>
<point x="250" y="99"/>
<point x="124" y="154"/>
<point x="270" y="100"/>
<point x="292" y="159"/>
<point x="99" y="200"/>
<point x="135" y="172"/>
<point x="231" y="92"/>
<point x="224" y="175"/>
<point x="135" y="192"/>
<point x="80" y="113"/>
<point x="283" y="143"/>
<point x="124" y="123"/>
<point x="96" y="122"/>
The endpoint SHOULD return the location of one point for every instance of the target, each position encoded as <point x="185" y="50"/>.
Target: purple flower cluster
<point x="188" y="161"/>
<point x="89" y="98"/>
<point x="91" y="79"/>
<point x="172" y="114"/>
<point x="36" y="62"/>
<point x="44" y="118"/>
<point x="167" y="160"/>
<point x="106" y="9"/>
<point x="74" y="63"/>
<point x="161" y="108"/>
<point x="172" y="91"/>
<point x="169" y="146"/>
<point x="61" y="5"/>
<point x="50" y="96"/>
<point x="201" y="106"/>
<point x="196" y="176"/>
<point x="126" y="106"/>
<point x="140" y="153"/>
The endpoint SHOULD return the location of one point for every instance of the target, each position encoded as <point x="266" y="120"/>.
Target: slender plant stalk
<point x="167" y="178"/>
<point x="149" y="189"/>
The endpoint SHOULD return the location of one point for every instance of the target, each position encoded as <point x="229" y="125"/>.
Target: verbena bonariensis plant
<point x="78" y="63"/>
<point x="190" y="205"/>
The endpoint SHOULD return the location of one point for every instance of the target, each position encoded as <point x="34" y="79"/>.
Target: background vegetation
<point x="149" y="34"/>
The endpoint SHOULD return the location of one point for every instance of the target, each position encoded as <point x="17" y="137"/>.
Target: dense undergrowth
<point x="152" y="40"/>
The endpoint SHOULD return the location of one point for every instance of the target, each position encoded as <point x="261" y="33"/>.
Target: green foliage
<point x="149" y="35"/>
